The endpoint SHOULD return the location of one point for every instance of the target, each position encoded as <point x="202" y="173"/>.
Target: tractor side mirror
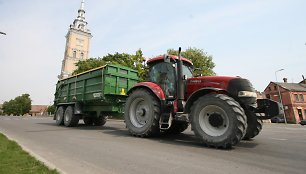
<point x="166" y="59"/>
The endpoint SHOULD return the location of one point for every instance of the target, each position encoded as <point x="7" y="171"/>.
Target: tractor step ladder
<point x="165" y="121"/>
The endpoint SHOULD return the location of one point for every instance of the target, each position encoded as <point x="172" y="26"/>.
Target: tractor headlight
<point x="247" y="94"/>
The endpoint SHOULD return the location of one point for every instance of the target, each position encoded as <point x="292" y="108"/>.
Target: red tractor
<point x="221" y="110"/>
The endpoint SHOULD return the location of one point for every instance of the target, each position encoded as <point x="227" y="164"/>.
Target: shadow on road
<point x="118" y="130"/>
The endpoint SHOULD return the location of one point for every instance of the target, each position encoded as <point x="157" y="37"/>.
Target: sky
<point x="247" y="38"/>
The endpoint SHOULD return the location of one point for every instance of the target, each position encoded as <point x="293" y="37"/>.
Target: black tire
<point x="254" y="125"/>
<point x="142" y="113"/>
<point x="177" y="127"/>
<point x="59" y="115"/>
<point x="88" y="121"/>
<point x="70" y="119"/>
<point x="99" y="121"/>
<point x="218" y="120"/>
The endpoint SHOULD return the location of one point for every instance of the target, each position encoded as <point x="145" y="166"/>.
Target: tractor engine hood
<point x="235" y="86"/>
<point x="221" y="82"/>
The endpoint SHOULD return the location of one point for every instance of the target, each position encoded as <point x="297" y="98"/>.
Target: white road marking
<point x="279" y="139"/>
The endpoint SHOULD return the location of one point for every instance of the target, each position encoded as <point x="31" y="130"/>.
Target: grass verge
<point x="13" y="160"/>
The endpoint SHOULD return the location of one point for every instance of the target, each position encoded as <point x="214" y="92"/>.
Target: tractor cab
<point x="163" y="71"/>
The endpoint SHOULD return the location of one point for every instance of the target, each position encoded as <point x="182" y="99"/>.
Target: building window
<point x="82" y="55"/>
<point x="296" y="97"/>
<point x="74" y="54"/>
<point x="301" y="97"/>
<point x="269" y="88"/>
<point x="275" y="88"/>
<point x="268" y="96"/>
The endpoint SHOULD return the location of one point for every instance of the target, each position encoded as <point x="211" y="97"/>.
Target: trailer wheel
<point x="88" y="121"/>
<point x="218" y="120"/>
<point x="254" y="125"/>
<point x="59" y="115"/>
<point x="142" y="113"/>
<point x="70" y="119"/>
<point x="100" y="121"/>
<point x="177" y="127"/>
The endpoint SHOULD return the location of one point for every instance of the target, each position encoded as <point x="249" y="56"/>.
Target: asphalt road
<point x="110" y="149"/>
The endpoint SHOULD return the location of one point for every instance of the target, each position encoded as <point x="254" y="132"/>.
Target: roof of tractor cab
<point x="158" y="58"/>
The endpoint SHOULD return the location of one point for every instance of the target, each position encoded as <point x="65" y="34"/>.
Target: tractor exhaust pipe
<point x="180" y="85"/>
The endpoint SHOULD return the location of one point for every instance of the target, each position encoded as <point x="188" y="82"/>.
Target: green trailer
<point x="93" y="95"/>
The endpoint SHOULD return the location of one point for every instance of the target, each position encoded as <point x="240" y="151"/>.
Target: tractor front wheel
<point x="218" y="120"/>
<point x="142" y="113"/>
<point x="254" y="125"/>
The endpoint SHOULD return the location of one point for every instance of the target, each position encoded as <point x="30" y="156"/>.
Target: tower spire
<point x="80" y="23"/>
<point x="82" y="5"/>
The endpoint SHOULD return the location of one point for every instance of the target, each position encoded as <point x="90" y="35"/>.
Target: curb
<point x="47" y="163"/>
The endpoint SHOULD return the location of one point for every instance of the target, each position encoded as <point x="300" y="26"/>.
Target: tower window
<point x="82" y="55"/>
<point x="74" y="54"/>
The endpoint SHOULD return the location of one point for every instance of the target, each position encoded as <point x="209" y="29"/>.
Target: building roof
<point x="38" y="108"/>
<point x="292" y="86"/>
<point x="303" y="81"/>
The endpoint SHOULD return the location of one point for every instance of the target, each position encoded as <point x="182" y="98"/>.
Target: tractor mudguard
<point x="197" y="94"/>
<point x="153" y="87"/>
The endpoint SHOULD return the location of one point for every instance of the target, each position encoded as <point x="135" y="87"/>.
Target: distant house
<point x="38" y="110"/>
<point x="293" y="97"/>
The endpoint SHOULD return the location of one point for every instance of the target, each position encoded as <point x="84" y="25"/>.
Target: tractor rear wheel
<point x="142" y="113"/>
<point x="59" y="115"/>
<point x="218" y="120"/>
<point x="254" y="125"/>
<point x="70" y="119"/>
<point x="177" y="127"/>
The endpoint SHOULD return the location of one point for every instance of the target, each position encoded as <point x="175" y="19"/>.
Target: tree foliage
<point x="19" y="106"/>
<point x="202" y="62"/>
<point x="51" y="109"/>
<point x="134" y="61"/>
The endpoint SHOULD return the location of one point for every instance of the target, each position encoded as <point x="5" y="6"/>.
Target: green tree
<point x="134" y="61"/>
<point x="202" y="62"/>
<point x="19" y="106"/>
<point x="51" y="109"/>
<point x="88" y="65"/>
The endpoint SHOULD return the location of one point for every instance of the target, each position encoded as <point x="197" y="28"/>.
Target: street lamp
<point x="279" y="94"/>
<point x="276" y="72"/>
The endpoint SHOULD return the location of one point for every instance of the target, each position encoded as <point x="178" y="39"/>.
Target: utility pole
<point x="279" y="94"/>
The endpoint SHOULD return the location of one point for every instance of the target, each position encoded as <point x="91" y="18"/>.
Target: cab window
<point x="163" y="74"/>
